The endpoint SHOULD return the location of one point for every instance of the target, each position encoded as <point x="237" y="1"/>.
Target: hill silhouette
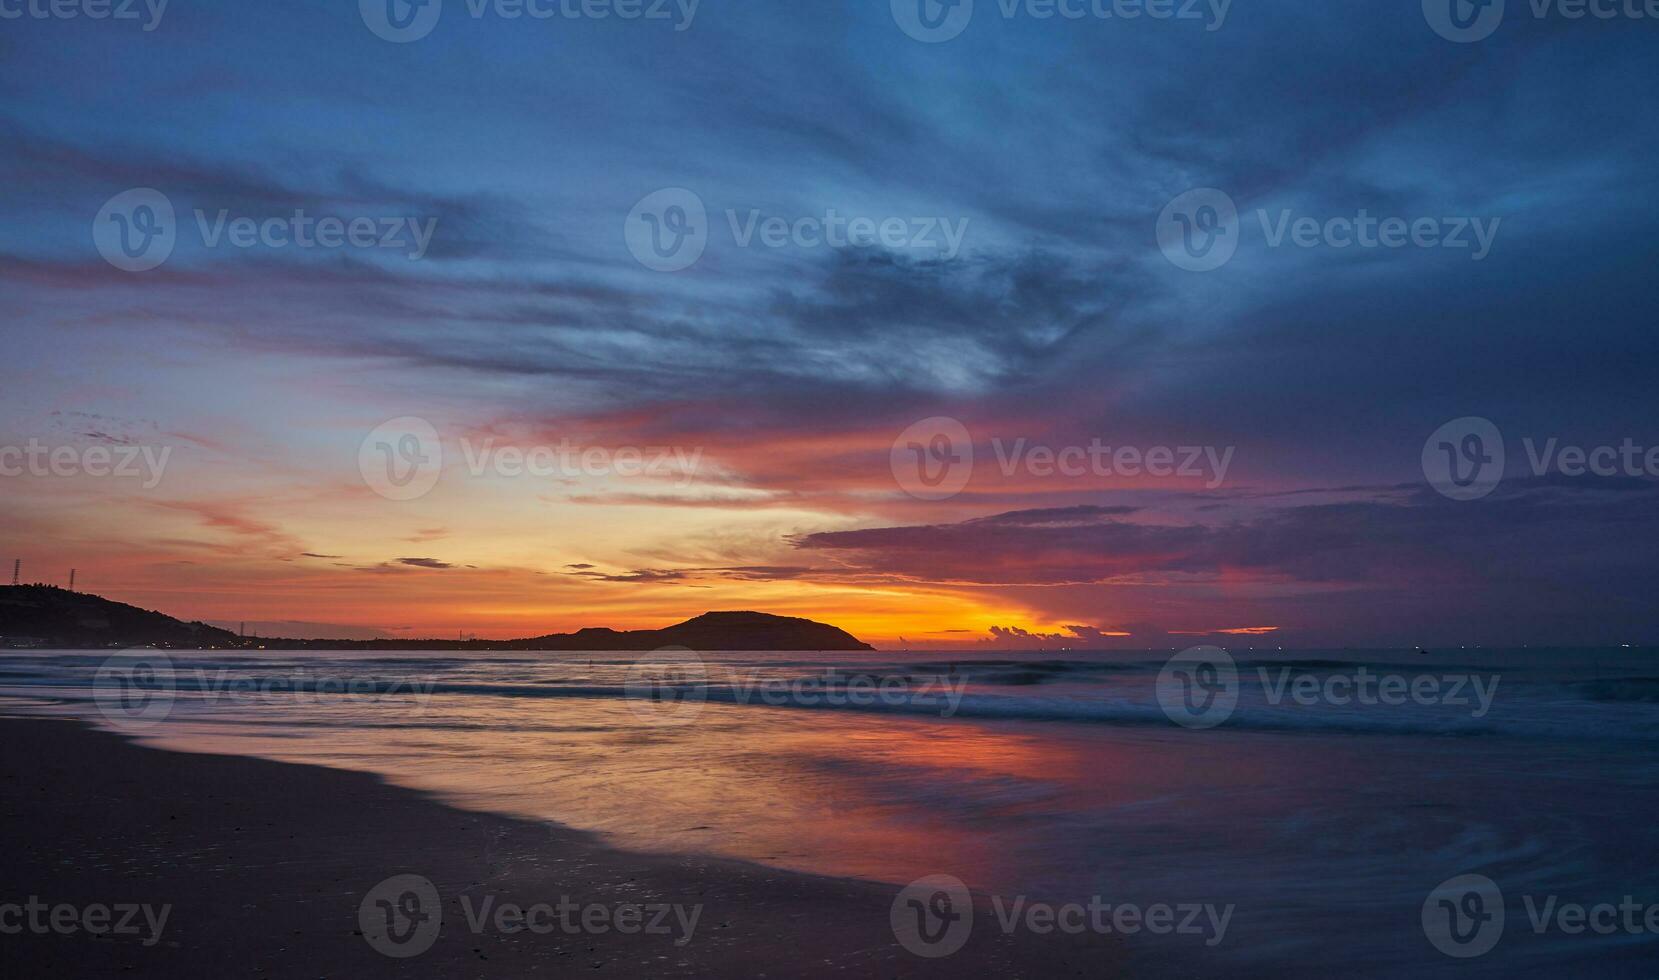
<point x="49" y="617"/>
<point x="45" y="615"/>
<point x="710" y="631"/>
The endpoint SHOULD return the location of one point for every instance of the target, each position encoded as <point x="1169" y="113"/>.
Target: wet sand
<point x="264" y="866"/>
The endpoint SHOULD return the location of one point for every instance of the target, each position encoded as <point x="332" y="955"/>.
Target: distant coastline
<point x="46" y="617"/>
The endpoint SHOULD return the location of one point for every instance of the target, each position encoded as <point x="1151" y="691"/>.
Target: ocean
<point x="1315" y="812"/>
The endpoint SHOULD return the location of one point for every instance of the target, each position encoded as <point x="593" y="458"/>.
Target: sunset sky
<point x="784" y="373"/>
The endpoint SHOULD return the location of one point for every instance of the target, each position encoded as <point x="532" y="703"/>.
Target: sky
<point x="999" y="324"/>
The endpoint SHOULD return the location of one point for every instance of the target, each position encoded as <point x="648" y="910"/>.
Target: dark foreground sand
<point x="265" y="865"/>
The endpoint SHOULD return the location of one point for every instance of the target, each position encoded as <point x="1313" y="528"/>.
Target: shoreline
<point x="236" y="865"/>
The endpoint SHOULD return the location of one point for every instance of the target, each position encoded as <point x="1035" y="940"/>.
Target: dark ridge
<point x="47" y="617"/>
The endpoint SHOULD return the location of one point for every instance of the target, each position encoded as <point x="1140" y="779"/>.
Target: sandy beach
<point x="262" y="868"/>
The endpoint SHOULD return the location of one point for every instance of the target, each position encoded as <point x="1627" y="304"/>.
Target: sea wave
<point x="1534" y="701"/>
<point x="1640" y="690"/>
<point x="1543" y="719"/>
